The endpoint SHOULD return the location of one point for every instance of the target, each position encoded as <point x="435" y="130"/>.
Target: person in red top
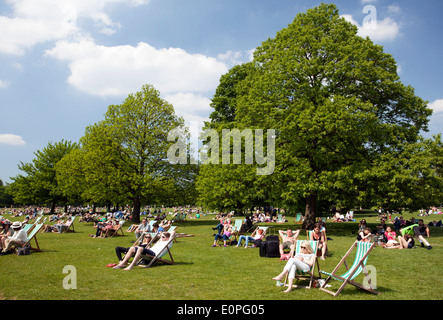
<point x="391" y="237"/>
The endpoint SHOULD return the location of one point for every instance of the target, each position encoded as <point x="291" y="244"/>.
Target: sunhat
<point x="16" y="225"/>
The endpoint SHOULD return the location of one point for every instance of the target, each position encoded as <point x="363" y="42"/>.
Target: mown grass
<point x="205" y="273"/>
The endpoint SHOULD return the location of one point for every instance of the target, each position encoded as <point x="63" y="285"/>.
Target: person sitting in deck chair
<point x="156" y="250"/>
<point x="288" y="239"/>
<point x="18" y="238"/>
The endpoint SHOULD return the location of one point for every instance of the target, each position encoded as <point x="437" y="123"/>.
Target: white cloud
<point x="4" y="84"/>
<point x="11" y="139"/>
<point x="32" y="22"/>
<point x="192" y="107"/>
<point x="437" y="106"/>
<point x="378" y="30"/>
<point x="120" y="70"/>
<point x="394" y="9"/>
<point x="183" y="79"/>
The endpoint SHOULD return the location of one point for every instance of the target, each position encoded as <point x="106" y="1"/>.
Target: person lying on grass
<point x="158" y="249"/>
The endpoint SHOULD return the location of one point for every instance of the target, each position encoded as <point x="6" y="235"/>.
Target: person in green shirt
<point x="414" y="230"/>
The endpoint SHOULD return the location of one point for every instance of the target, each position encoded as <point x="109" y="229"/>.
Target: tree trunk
<point x="311" y="207"/>
<point x="136" y="211"/>
<point x="52" y="208"/>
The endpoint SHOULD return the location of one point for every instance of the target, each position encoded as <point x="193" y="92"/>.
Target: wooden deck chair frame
<point x="29" y="226"/>
<point x="236" y="230"/>
<point x="308" y="235"/>
<point x="265" y="230"/>
<point x="114" y="232"/>
<point x="309" y="275"/>
<point x="363" y="249"/>
<point x="230" y="239"/>
<point x="160" y="258"/>
<point x="70" y="228"/>
<point x="253" y="227"/>
<point x="33" y="235"/>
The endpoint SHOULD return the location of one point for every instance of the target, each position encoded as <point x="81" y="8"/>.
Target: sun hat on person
<point x="16" y="225"/>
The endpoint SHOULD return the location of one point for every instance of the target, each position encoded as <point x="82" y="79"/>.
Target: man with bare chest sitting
<point x="288" y="239"/>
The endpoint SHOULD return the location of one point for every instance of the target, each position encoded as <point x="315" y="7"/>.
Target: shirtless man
<point x="288" y="239"/>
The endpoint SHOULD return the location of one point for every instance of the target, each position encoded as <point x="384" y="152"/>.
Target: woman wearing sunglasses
<point x="301" y="261"/>
<point x="156" y="250"/>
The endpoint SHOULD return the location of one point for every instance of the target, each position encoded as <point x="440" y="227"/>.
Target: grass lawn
<point x="205" y="273"/>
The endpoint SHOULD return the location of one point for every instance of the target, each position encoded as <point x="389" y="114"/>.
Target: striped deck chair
<point x="363" y="249"/>
<point x="70" y="226"/>
<point x="308" y="235"/>
<point x="32" y="235"/>
<point x="166" y="248"/>
<point x="306" y="275"/>
<point x="236" y="229"/>
<point x="29" y="226"/>
<point x="298" y="218"/>
<point x="265" y="229"/>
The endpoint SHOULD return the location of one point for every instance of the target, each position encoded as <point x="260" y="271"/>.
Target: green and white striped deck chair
<point x="29" y="226"/>
<point x="298" y="218"/>
<point x="363" y="249"/>
<point x="32" y="235"/>
<point x="237" y="228"/>
<point x="308" y="274"/>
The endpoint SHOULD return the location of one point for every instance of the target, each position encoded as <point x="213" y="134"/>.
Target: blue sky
<point x="63" y="62"/>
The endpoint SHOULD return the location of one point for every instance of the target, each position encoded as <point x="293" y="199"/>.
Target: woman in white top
<point x="302" y="261"/>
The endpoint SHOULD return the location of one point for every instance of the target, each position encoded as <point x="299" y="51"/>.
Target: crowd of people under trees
<point x="153" y="235"/>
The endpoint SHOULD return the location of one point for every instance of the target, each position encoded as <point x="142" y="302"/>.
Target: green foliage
<point x="5" y="197"/>
<point x="124" y="157"/>
<point x="336" y="103"/>
<point x="39" y="184"/>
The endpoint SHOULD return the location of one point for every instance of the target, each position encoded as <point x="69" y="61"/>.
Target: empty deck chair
<point x="363" y="249"/>
<point x="298" y="218"/>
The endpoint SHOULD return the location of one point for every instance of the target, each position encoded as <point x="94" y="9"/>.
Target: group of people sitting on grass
<point x="387" y="238"/>
<point x="287" y="238"/>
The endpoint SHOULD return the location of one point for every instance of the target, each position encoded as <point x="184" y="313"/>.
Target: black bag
<point x="24" y="251"/>
<point x="257" y="242"/>
<point x="262" y="247"/>
<point x="272" y="246"/>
